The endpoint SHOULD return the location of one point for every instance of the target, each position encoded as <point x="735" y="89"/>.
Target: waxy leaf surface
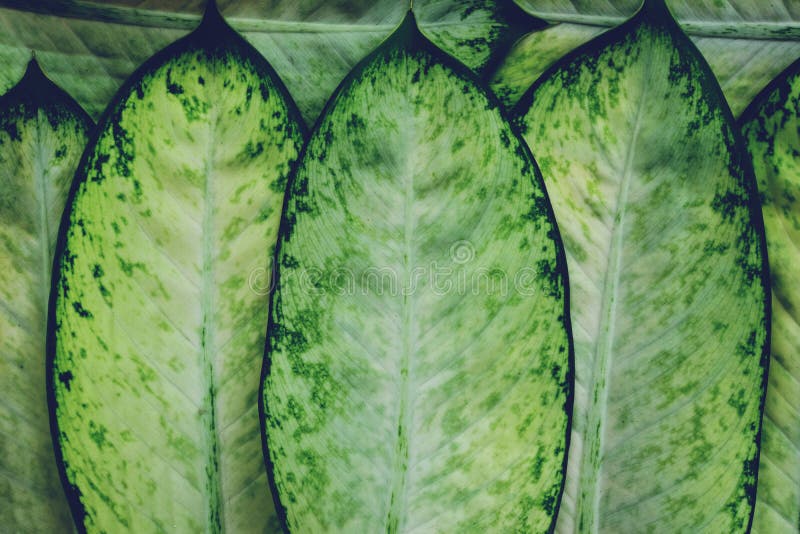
<point x="655" y="199"/>
<point x="418" y="351"/>
<point x="771" y="128"/>
<point x="42" y="135"/>
<point x="160" y="302"/>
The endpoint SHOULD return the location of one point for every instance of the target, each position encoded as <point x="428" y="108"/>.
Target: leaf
<point x="160" y="304"/>
<point x="747" y="44"/>
<point x="418" y="352"/>
<point x="42" y="134"/>
<point x="770" y="127"/>
<point x="751" y="18"/>
<point x="311" y="44"/>
<point x="655" y="200"/>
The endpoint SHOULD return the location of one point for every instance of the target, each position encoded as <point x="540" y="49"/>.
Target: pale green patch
<point x="419" y="363"/>
<point x="655" y="201"/>
<point x="770" y="127"/>
<point x="161" y="306"/>
<point x="42" y="135"/>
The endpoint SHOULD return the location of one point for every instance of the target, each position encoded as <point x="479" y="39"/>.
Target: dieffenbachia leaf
<point x="42" y="135"/>
<point x="418" y="359"/>
<point x="159" y="303"/>
<point x="770" y="126"/>
<point x="747" y="43"/>
<point x="312" y="44"/>
<point x="655" y="199"/>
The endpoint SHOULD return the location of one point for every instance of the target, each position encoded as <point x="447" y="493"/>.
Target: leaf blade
<point x="640" y="156"/>
<point x="42" y="134"/>
<point x="373" y="416"/>
<point x="158" y="303"/>
<point x="767" y="127"/>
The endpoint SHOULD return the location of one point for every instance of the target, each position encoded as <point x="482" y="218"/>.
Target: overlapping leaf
<point x="655" y="199"/>
<point x="91" y="47"/>
<point x="418" y="351"/>
<point x="770" y="127"/>
<point x="159" y="306"/>
<point x="42" y="135"/>
<point x="747" y="43"/>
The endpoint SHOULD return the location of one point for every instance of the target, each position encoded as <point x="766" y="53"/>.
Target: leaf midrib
<point x="604" y="347"/>
<point x="398" y="499"/>
<point x="208" y="335"/>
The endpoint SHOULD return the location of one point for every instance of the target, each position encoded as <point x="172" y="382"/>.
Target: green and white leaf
<point x="92" y="47"/>
<point x="655" y="200"/>
<point x="42" y="135"/>
<point x="418" y="362"/>
<point x="746" y="43"/>
<point x="160" y="299"/>
<point x="770" y="127"/>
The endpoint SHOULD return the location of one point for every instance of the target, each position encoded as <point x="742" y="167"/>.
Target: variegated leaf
<point x="418" y="352"/>
<point x="655" y="199"/>
<point x="771" y="127"/>
<point x="160" y="306"/>
<point x="43" y="132"/>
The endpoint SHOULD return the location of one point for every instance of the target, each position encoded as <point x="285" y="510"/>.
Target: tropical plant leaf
<point x="746" y="44"/>
<point x="42" y="135"/>
<point x="770" y="126"/>
<point x="418" y="350"/>
<point x="655" y="199"/>
<point x="720" y="17"/>
<point x="159" y="303"/>
<point x="311" y="44"/>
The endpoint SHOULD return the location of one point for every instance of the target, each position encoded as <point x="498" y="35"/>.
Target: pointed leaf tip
<point x="212" y="18"/>
<point x="34" y="86"/>
<point x="657" y="10"/>
<point x="407" y="33"/>
<point x="34" y="70"/>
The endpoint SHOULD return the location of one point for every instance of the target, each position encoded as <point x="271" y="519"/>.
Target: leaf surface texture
<point x="42" y="135"/>
<point x="418" y="348"/>
<point x="770" y="127"/>
<point x="160" y="300"/>
<point x="655" y="201"/>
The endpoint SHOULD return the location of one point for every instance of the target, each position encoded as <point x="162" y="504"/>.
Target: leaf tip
<point x="212" y="17"/>
<point x="656" y="9"/>
<point x="33" y="71"/>
<point x="408" y="31"/>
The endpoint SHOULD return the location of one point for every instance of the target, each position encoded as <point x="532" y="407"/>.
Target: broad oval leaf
<point x="43" y="132"/>
<point x="770" y="126"/>
<point x="655" y="199"/>
<point x="159" y="305"/>
<point x="417" y="374"/>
